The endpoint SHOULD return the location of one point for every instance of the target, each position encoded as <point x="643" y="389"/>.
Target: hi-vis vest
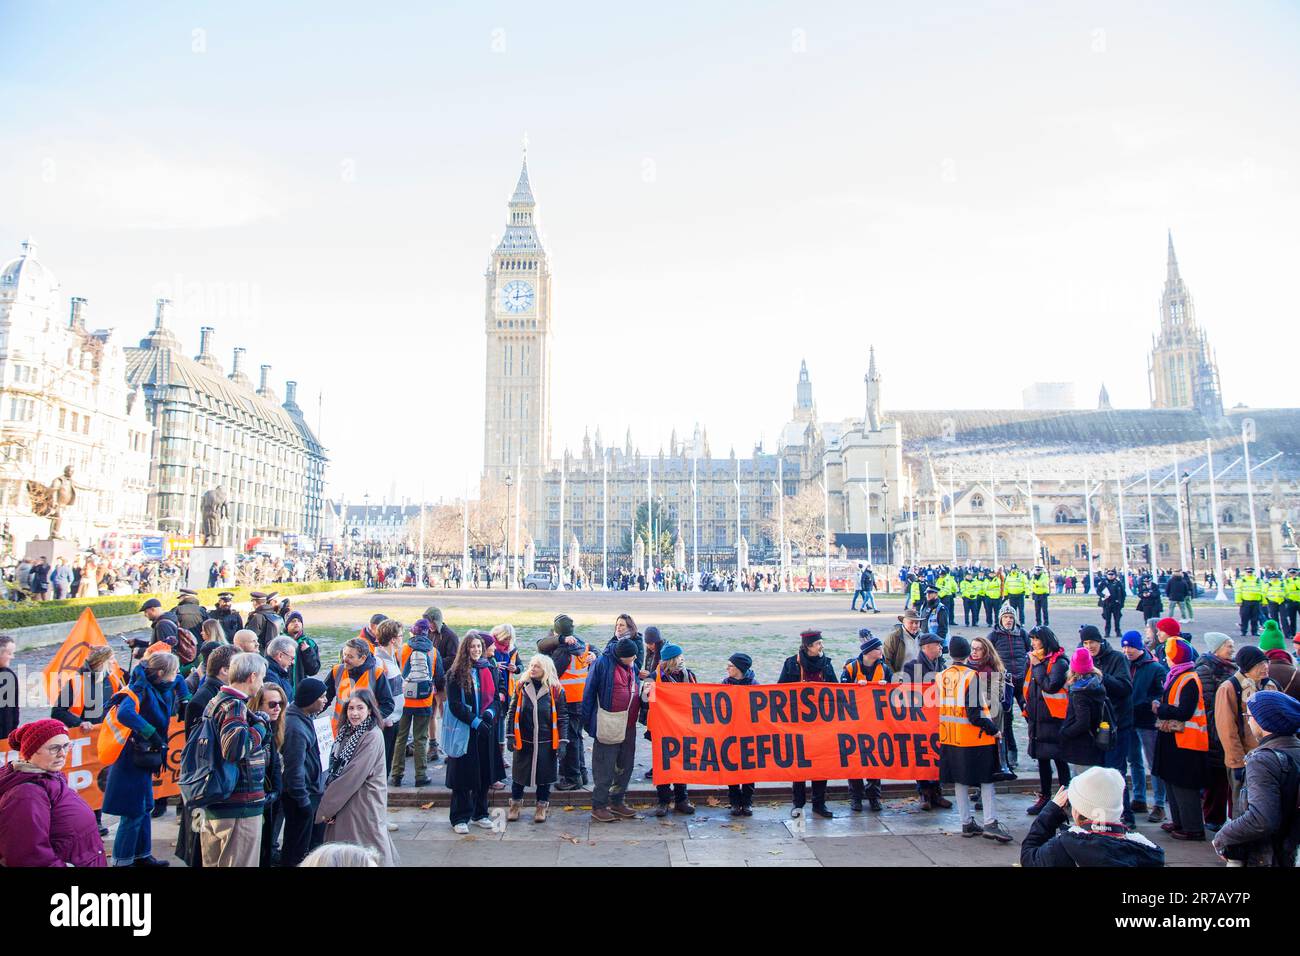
<point x="1016" y="583"/>
<point x="993" y="588"/>
<point x="1292" y="587"/>
<point x="511" y="682"/>
<point x="876" y="675"/>
<point x="407" y="651"/>
<point x="1058" y="703"/>
<point x="555" y="721"/>
<point x="1194" y="735"/>
<point x="1247" y="588"/>
<point x="947" y="585"/>
<point x="1041" y="584"/>
<point x="970" y="588"/>
<point x="345" y="686"/>
<point x="955" y="728"/>
<point x="574" y="680"/>
<point x="113" y="734"/>
<point x="914" y="592"/>
<point x="1276" y="591"/>
<point x="78" y="682"/>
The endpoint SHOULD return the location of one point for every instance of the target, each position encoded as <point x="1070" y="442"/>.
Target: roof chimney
<point x="205" y="340"/>
<point x="77" y="320"/>
<point x="238" y="365"/>
<point x="290" y="394"/>
<point x="266" y="375"/>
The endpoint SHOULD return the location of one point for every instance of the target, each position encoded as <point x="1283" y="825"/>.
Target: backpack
<point x="189" y="616"/>
<point x="206" y="777"/>
<point x="186" y="646"/>
<point x="1287" y="840"/>
<point x="417" y="674"/>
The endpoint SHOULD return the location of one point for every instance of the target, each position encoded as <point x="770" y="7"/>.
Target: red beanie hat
<point x="1169" y="627"/>
<point x="30" y="738"/>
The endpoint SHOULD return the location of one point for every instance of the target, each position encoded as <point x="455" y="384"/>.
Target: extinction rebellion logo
<point x="87" y="910"/>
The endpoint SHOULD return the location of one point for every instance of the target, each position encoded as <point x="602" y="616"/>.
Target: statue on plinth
<point x="212" y="508"/>
<point x="49" y="501"/>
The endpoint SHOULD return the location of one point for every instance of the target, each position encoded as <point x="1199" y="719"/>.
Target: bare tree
<point x="805" y="523"/>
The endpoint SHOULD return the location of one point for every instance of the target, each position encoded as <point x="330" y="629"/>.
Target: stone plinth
<point x="201" y="560"/>
<point x="50" y="549"/>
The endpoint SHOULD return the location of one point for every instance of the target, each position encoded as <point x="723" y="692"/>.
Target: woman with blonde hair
<point x="342" y="854"/>
<point x="274" y="702"/>
<point x="1084" y="713"/>
<point x="538" y="728"/>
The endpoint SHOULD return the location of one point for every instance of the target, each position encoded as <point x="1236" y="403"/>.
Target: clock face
<point x="516" y="296"/>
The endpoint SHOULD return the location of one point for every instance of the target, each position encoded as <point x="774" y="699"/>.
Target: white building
<point x="1048" y="396"/>
<point x="65" y="400"/>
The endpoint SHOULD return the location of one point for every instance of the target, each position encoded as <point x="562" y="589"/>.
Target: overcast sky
<point x="724" y="189"/>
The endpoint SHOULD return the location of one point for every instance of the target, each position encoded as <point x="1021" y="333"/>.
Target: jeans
<point x="961" y="795"/>
<point x="543" y="792"/>
<point x="1185" y="605"/>
<point x="1146" y="753"/>
<point x="869" y="600"/>
<point x="467" y="805"/>
<point x="414" y="724"/>
<point x="859" y="593"/>
<point x="134" y="839"/>
<point x="611" y="769"/>
<point x="1117" y="759"/>
<point x="671" y="793"/>
<point x="864" y="789"/>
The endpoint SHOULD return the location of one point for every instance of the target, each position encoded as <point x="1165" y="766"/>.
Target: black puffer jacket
<point x="1213" y="672"/>
<point x="1086" y="712"/>
<point x="1013" y="647"/>
<point x="1044" y="729"/>
<point x="1117" y="677"/>
<point x="804" y="669"/>
<point x="1044" y="846"/>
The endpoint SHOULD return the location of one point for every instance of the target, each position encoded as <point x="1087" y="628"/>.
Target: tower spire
<point x="1172" y="269"/>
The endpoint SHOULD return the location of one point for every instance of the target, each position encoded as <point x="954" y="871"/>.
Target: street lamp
<point x="1191" y="540"/>
<point x="884" y="519"/>
<point x="509" y="481"/>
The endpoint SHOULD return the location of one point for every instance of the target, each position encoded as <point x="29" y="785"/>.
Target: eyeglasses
<point x="57" y="750"/>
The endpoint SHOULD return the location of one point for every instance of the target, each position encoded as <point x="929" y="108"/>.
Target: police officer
<point x="947" y="585"/>
<point x="1249" y="592"/>
<point x="1016" y="584"/>
<point x="1275" y="594"/>
<point x="1291" y="608"/>
<point x="1040" y="585"/>
<point x="934" y="613"/>
<point x="229" y="619"/>
<point x="971" y="598"/>
<point x="992" y="590"/>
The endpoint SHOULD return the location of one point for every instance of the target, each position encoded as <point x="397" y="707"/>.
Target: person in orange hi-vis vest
<point x="1046" y="704"/>
<point x="868" y="667"/>
<point x="1182" y="742"/>
<point x="359" y="669"/>
<point x="573" y="659"/>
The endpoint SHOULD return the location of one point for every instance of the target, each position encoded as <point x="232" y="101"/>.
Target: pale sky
<point x="723" y="189"/>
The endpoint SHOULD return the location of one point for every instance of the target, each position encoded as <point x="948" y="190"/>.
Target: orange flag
<point x="85" y="635"/>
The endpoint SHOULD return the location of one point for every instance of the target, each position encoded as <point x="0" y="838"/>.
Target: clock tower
<point x="517" y="313"/>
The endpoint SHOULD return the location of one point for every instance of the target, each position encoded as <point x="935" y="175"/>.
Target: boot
<point x="1036" y="807"/>
<point x="940" y="801"/>
<point x="539" y="814"/>
<point x="512" y="814"/>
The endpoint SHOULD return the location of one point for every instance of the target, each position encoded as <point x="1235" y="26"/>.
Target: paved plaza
<point x="710" y="626"/>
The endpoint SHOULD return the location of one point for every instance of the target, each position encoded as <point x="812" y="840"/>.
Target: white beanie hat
<point x="1215" y="640"/>
<point x="1098" y="794"/>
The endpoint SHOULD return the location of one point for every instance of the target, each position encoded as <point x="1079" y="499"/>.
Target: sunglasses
<point x="273" y="704"/>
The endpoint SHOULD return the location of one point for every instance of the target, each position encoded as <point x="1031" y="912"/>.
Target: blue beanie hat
<point x="1276" y="712"/>
<point x="870" y="644"/>
<point x="669" y="652"/>
<point x="1131" y="639"/>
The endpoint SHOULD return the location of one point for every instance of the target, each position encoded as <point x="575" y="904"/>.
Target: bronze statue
<point x="48" y="501"/>
<point x="214" y="511"/>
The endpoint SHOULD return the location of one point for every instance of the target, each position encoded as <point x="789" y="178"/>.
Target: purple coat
<point x="46" y="823"/>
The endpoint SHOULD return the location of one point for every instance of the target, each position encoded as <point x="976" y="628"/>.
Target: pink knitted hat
<point x="1081" y="662"/>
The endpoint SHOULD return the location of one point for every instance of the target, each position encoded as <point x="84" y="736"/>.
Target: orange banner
<point x="89" y="777"/>
<point x="728" y="734"/>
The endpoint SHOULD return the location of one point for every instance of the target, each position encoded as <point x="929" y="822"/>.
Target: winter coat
<point x="1087" y="709"/>
<point x="1231" y="727"/>
<point x="899" y="647"/>
<point x="282" y="677"/>
<point x="561" y="653"/>
<point x="1149" y="604"/>
<point x="46" y="823"/>
<point x="199" y="703"/>
<point x="1282" y="672"/>
<point x="303" y="778"/>
<point x="599" y="690"/>
<point x="230" y="622"/>
<point x="10" y="709"/>
<point x="636" y="639"/>
<point x="1044" y="729"/>
<point x="1256" y="829"/>
<point x="922" y="670"/>
<point x="379" y="685"/>
<point x="1148" y="678"/>
<point x="934" y="617"/>
<point x="817" y="670"/>
<point x="306" y="660"/>
<point x="1178" y="588"/>
<point x="481" y="764"/>
<point x="747" y="679"/>
<point x="535" y="761"/>
<point x="1173" y="764"/>
<point x="94" y="703"/>
<point x="1111" y="594"/>
<point x="971" y="766"/>
<point x="1013" y="647"/>
<point x="129" y="791"/>
<point x="1118" y="683"/>
<point x="1044" y="845"/>
<point x="1213" y="672"/>
<point x="446" y="641"/>
<point x="357" y="800"/>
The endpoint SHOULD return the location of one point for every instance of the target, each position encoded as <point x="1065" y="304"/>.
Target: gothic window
<point x="1002" y="546"/>
<point x="976" y="502"/>
<point x="1062" y="515"/>
<point x="1228" y="517"/>
<point x="963" y="546"/>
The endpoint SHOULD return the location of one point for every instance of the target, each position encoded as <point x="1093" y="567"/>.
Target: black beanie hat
<point x="652" y="635"/>
<point x="1248" y="656"/>
<point x="809" y="637"/>
<point x="741" y="662"/>
<point x="562" y="625"/>
<point x="958" y="647"/>
<point x="626" y="647"/>
<point x="309" y="689"/>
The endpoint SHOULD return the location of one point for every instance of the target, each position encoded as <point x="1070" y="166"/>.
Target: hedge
<point x="29" y="613"/>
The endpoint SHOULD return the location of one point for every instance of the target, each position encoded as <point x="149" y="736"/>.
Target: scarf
<point x="346" y="744"/>
<point x="487" y="687"/>
<point x="809" y="665"/>
<point x="1177" y="670"/>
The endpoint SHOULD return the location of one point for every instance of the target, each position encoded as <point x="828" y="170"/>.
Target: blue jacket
<point x="599" y="690"/>
<point x="1148" y="685"/>
<point x="129" y="791"/>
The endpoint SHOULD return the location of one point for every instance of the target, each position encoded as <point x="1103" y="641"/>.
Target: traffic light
<point x="1223" y="553"/>
<point x="1201" y="553"/>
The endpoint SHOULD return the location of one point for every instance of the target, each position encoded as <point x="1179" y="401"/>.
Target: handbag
<point x="453" y="737"/>
<point x="145" y="756"/>
<point x="611" y="725"/>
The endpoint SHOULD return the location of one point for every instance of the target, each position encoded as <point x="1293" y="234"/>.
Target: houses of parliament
<point x="995" y="486"/>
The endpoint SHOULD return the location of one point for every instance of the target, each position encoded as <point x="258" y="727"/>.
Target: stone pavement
<point x="903" y="835"/>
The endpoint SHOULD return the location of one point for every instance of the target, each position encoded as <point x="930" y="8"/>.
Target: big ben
<point x="517" y="315"/>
